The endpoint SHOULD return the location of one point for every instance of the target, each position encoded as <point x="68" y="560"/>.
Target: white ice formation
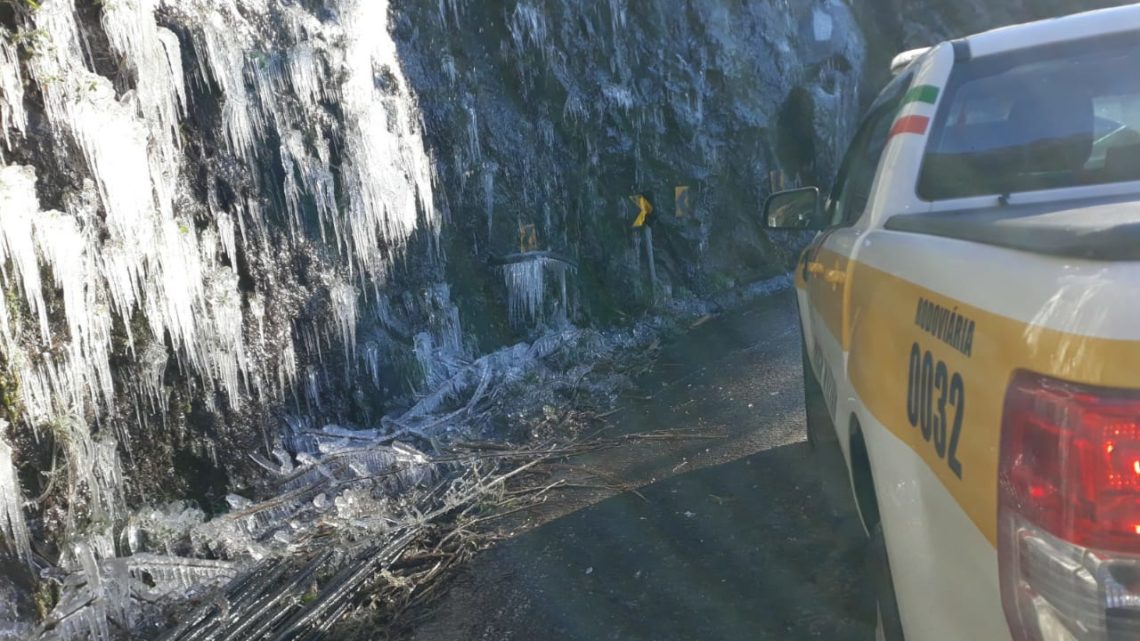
<point x="130" y="254"/>
<point x="527" y="285"/>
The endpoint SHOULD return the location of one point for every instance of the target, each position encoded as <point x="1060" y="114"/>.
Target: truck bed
<point x="1093" y="229"/>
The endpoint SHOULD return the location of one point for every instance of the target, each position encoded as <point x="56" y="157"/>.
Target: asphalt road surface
<point x="743" y="537"/>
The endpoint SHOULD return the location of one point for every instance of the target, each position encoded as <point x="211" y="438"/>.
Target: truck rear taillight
<point x="1069" y="511"/>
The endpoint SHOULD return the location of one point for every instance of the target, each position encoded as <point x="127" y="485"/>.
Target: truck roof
<point x="1074" y="27"/>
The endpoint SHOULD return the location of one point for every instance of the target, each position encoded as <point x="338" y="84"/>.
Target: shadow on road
<point x="736" y="551"/>
<point x="738" y="538"/>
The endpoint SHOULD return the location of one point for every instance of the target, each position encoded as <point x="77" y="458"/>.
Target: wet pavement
<point x="749" y="536"/>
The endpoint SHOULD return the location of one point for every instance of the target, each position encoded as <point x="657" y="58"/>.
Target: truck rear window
<point x="1042" y="118"/>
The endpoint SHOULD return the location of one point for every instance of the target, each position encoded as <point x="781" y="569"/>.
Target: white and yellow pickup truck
<point x="971" y="321"/>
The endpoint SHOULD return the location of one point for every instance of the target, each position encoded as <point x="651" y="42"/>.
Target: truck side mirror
<point x="794" y="209"/>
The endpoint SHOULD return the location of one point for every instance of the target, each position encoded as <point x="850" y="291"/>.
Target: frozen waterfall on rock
<point x="144" y="264"/>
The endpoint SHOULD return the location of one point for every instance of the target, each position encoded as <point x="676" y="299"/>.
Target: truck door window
<point x="1116" y="129"/>
<point x="1045" y="117"/>
<point x="857" y="173"/>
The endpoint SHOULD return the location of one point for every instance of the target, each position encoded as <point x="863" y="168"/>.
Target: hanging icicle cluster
<point x="137" y="256"/>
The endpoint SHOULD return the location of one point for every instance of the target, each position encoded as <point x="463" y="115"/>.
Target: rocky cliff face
<point x="547" y="118"/>
<point x="222" y="217"/>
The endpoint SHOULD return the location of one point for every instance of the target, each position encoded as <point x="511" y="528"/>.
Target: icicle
<point x="371" y="357"/>
<point x="344" y="298"/>
<point x="387" y="172"/>
<point x="149" y="260"/>
<point x="489" y="195"/>
<point x="12" y="115"/>
<point x="19" y="208"/>
<point x="156" y="56"/>
<point x="574" y="110"/>
<point x="153" y="361"/>
<point x="95" y="476"/>
<point x="12" y="524"/>
<point x="526" y="286"/>
<point x="312" y="385"/>
<point x="51" y="382"/>
<point x="474" y="150"/>
<point x="119" y="249"/>
<point x="425" y="356"/>
<point x="305" y="73"/>
<point x="257" y="313"/>
<point x="618" y="15"/>
<point x="224" y="60"/>
<point x="225" y="224"/>
<point x="546" y="132"/>
<point x="449" y="331"/>
<point x="451" y="7"/>
<point x="226" y="353"/>
<point x="286" y="369"/>
<point x="88" y="599"/>
<point x="449" y="68"/>
<point x="618" y="97"/>
<point x="316" y="178"/>
<point x="528" y="28"/>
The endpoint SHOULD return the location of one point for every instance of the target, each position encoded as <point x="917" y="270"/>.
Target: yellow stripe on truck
<point x="971" y="355"/>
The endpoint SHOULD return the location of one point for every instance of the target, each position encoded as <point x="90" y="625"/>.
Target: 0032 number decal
<point x="932" y="392"/>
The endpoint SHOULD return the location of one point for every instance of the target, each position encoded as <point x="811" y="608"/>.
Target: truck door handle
<point x="835" y="277"/>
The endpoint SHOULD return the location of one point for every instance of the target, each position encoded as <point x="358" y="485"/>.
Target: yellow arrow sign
<point x="644" y="209"/>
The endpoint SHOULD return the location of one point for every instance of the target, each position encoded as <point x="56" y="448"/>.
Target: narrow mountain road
<point x="738" y="538"/>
